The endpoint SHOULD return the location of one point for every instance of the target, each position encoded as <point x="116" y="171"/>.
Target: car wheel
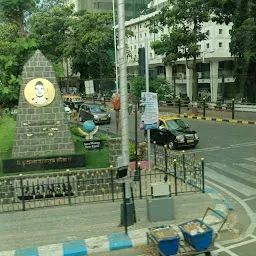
<point x="80" y="119"/>
<point x="171" y="145"/>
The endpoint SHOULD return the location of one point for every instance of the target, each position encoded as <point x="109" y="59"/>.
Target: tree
<point x="184" y="20"/>
<point x="15" y="12"/>
<point x="50" y="27"/>
<point x="156" y="84"/>
<point x="14" y="50"/>
<point x="241" y="13"/>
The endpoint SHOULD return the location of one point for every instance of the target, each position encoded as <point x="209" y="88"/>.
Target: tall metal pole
<point x="123" y="83"/>
<point x="116" y="63"/>
<point x="147" y="90"/>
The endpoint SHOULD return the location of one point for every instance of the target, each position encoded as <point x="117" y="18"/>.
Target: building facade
<point x="214" y="66"/>
<point x="133" y="7"/>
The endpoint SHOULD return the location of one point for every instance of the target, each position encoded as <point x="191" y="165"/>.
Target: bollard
<point x="22" y="193"/>
<point x="203" y="107"/>
<point x="233" y="109"/>
<point x="154" y="153"/>
<point x="112" y="182"/>
<point x="139" y="170"/>
<point x="125" y="209"/>
<point x="183" y="165"/>
<point x="175" y="176"/>
<point x="202" y="166"/>
<point x="165" y="158"/>
<point x="179" y="106"/>
<point x="69" y="187"/>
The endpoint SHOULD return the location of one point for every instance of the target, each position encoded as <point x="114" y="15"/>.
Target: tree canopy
<point x="241" y="14"/>
<point x="184" y="20"/>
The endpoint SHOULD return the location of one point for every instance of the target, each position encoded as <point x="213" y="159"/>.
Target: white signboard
<point x="149" y="119"/>
<point x="89" y="87"/>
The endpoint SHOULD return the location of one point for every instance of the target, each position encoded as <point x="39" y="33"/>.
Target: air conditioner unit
<point x="199" y="74"/>
<point x="159" y="189"/>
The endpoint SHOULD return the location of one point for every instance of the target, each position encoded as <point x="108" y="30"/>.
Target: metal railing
<point x="19" y="193"/>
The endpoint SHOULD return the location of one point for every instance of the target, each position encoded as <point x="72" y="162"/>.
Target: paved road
<point x="230" y="155"/>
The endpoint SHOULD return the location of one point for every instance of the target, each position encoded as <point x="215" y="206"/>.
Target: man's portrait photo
<point x="39" y="92"/>
<point x="40" y="97"/>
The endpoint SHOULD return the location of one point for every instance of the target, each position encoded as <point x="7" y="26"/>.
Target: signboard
<point x="149" y="119"/>
<point x="43" y="163"/>
<point x="93" y="144"/>
<point x="89" y="87"/>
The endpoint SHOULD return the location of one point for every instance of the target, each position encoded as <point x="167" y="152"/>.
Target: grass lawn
<point x="94" y="159"/>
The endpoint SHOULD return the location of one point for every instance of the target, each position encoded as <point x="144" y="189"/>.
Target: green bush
<point x="105" y="139"/>
<point x="132" y="151"/>
<point x="74" y="130"/>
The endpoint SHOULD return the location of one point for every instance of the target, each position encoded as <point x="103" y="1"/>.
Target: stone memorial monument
<point x="41" y="127"/>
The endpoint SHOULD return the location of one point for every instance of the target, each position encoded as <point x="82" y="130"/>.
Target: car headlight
<point x="96" y="117"/>
<point x="196" y="136"/>
<point x="180" y="138"/>
<point x="108" y="115"/>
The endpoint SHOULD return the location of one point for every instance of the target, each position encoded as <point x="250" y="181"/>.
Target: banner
<point x="149" y="119"/>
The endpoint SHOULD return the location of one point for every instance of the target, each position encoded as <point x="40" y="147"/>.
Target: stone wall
<point x="115" y="150"/>
<point x="41" y="131"/>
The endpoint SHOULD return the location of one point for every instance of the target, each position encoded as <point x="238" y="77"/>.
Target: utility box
<point x="160" y="189"/>
<point x="160" y="209"/>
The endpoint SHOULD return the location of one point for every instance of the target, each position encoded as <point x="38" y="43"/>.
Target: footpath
<point x="87" y="229"/>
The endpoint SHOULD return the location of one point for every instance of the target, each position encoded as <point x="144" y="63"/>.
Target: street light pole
<point x="114" y="23"/>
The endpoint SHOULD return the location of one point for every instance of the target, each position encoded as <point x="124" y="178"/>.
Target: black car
<point x="94" y="112"/>
<point x="174" y="133"/>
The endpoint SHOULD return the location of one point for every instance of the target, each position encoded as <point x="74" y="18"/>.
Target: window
<point x="207" y="32"/>
<point x="140" y="25"/>
<point x="134" y="47"/>
<point x="208" y="45"/>
<point x="220" y="31"/>
<point x="135" y="37"/>
<point x="145" y="34"/>
<point x="140" y="36"/>
<point x="220" y="44"/>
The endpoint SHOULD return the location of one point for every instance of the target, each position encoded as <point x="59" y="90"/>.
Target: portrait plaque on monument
<point x="39" y="92"/>
<point x="42" y="129"/>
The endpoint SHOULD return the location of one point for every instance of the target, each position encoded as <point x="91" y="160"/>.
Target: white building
<point x="214" y="65"/>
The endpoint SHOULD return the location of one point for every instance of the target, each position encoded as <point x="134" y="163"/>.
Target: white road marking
<point x="224" y="249"/>
<point x="248" y="210"/>
<point x="249" y="167"/>
<point x="252" y="159"/>
<point x="251" y="198"/>
<point x="231" y="170"/>
<point x="241" y="244"/>
<point x="247" y="144"/>
<point x="253" y="236"/>
<point x="245" y="190"/>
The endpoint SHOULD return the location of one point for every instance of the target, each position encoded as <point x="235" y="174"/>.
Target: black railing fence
<point x="184" y="173"/>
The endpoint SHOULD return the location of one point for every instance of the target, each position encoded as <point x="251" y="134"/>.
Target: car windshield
<point x="175" y="124"/>
<point x="97" y="109"/>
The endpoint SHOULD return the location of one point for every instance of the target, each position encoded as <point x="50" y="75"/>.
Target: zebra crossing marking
<point x="242" y="188"/>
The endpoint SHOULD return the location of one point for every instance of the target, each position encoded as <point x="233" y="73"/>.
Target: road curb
<point x="120" y="241"/>
<point x="216" y="119"/>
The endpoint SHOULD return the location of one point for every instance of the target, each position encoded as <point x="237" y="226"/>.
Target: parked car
<point x="173" y="132"/>
<point x="95" y="112"/>
<point x="67" y="109"/>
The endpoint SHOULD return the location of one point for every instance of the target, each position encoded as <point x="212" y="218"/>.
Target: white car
<point x="67" y="109"/>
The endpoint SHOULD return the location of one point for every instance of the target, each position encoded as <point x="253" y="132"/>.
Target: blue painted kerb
<point x="119" y="241"/>
<point x="75" y="248"/>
